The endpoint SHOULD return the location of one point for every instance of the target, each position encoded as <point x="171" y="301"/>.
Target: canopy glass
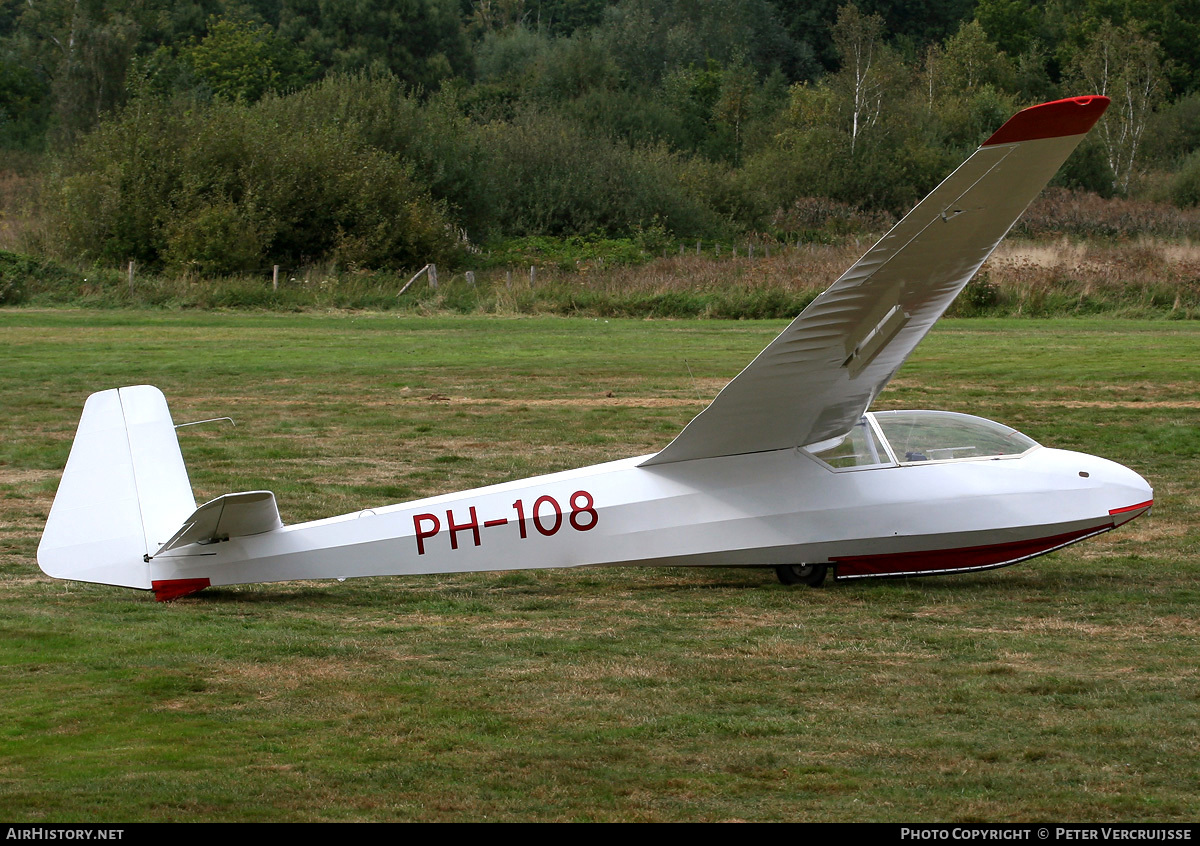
<point x="911" y="437"/>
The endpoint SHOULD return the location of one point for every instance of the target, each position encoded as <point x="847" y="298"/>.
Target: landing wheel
<point x="812" y="575"/>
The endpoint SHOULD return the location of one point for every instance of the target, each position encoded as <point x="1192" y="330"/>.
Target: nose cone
<point x="1126" y="493"/>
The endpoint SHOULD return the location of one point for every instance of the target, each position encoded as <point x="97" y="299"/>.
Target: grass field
<point x="1066" y="688"/>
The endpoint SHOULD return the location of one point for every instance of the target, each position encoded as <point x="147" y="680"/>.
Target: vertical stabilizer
<point x="123" y="494"/>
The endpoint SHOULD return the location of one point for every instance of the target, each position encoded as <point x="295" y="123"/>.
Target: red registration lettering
<point x="455" y="528"/>
<point x="537" y="519"/>
<point x="520" y="506"/>
<point x="546" y="515"/>
<point x="587" y="508"/>
<point x="421" y="534"/>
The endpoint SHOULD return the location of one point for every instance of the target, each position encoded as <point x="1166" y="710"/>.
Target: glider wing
<point x="820" y="375"/>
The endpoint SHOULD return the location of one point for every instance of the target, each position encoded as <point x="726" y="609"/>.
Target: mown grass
<point x="1063" y="688"/>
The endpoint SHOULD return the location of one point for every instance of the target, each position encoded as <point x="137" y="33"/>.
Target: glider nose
<point x="1127" y="494"/>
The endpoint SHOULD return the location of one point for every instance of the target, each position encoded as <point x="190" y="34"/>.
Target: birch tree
<point x="971" y="61"/>
<point x="83" y="49"/>
<point x="1123" y="65"/>
<point x="858" y="39"/>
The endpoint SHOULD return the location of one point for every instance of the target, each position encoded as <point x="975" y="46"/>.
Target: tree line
<point x="224" y="136"/>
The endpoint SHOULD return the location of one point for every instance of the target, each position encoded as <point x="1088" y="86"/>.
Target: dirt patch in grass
<point x="284" y="676"/>
<point x="24" y="477"/>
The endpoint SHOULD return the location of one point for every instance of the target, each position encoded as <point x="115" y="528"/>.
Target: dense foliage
<point x="222" y="137"/>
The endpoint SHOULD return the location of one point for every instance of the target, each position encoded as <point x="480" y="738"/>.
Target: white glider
<point x="786" y="468"/>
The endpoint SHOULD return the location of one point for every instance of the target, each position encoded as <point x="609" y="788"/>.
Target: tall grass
<point x="1136" y="279"/>
<point x="1032" y="279"/>
<point x="1081" y="214"/>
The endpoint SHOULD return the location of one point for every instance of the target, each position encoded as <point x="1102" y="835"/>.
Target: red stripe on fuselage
<point x="1128" y="508"/>
<point x="963" y="558"/>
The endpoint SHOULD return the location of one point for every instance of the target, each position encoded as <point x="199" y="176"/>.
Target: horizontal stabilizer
<point x="233" y="515"/>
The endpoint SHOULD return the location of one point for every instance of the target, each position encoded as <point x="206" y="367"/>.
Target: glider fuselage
<point x="763" y="509"/>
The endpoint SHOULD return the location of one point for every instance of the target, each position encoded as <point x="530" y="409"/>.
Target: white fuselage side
<point x="761" y="509"/>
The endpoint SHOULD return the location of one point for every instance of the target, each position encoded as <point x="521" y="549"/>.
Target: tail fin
<point x="123" y="494"/>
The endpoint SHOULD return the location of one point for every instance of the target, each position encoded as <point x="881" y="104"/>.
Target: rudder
<point x="124" y="491"/>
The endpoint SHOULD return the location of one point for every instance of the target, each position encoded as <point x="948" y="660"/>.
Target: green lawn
<point x="1064" y="688"/>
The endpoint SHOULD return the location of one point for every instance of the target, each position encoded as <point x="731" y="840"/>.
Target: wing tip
<point x="1057" y="119"/>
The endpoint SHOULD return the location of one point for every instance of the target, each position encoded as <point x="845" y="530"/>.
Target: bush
<point x="1058" y="211"/>
<point x="568" y="253"/>
<point x="216" y="239"/>
<point x="553" y="178"/>
<point x="1185" y="185"/>
<point x="1087" y="169"/>
<point x="819" y="219"/>
<point x="231" y="187"/>
<point x="447" y="152"/>
<point x="22" y="277"/>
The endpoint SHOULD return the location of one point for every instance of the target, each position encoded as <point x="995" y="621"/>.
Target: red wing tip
<point x="1057" y="119"/>
<point x="167" y="589"/>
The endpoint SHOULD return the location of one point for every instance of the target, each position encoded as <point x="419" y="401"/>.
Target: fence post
<point x="471" y="278"/>
<point x="415" y="277"/>
<point x="532" y="276"/>
<point x="508" y="279"/>
<point x="275" y="278"/>
<point x="131" y="276"/>
<point x="433" y="276"/>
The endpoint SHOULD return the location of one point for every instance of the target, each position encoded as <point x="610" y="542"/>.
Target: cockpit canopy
<point x="909" y="437"/>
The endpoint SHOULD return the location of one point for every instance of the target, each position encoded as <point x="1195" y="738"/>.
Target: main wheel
<point x="812" y="575"/>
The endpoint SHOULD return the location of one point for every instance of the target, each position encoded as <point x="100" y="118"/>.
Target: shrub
<point x="1185" y="185"/>
<point x="216" y="239"/>
<point x="819" y="218"/>
<point x="233" y="187"/>
<point x="1087" y="170"/>
<point x="447" y="152"/>
<point x="553" y="178"/>
<point x="1058" y="211"/>
<point x="22" y="277"/>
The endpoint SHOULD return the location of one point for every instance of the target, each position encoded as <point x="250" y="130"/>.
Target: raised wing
<point x="816" y="379"/>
